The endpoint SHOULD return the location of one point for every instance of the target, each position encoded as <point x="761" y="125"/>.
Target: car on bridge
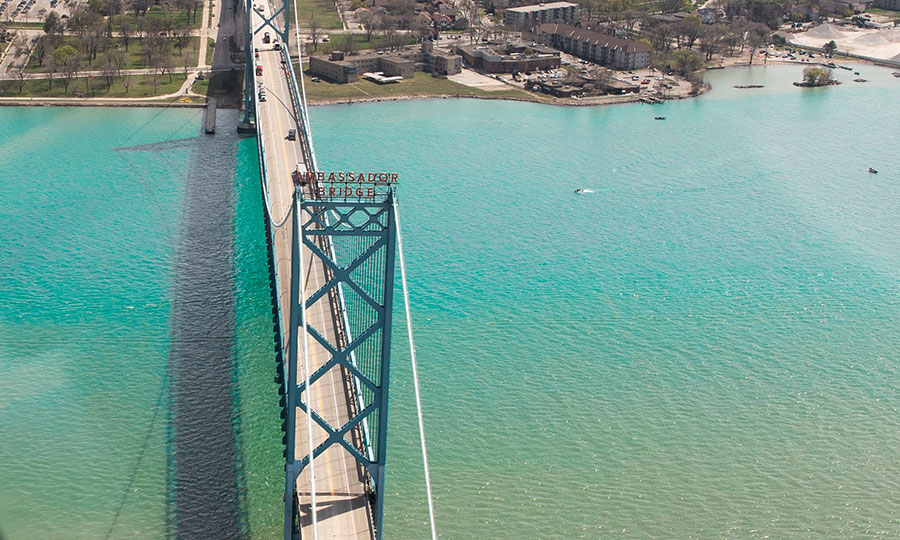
<point x="258" y="70"/>
<point x="292" y="134"/>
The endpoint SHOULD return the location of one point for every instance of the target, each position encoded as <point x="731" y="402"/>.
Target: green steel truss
<point x="355" y="241"/>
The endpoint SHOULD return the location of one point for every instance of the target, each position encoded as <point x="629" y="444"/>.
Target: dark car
<point x="292" y="135"/>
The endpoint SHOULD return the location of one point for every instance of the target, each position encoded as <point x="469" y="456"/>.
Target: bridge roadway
<point x="341" y="501"/>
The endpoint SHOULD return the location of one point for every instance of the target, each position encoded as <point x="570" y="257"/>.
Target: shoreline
<point x="75" y="102"/>
<point x="600" y="101"/>
<point x="556" y="102"/>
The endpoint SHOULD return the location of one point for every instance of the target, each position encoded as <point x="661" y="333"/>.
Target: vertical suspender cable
<point x="415" y="371"/>
<point x="309" y="418"/>
<point x="312" y="166"/>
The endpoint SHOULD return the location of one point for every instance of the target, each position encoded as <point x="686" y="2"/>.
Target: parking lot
<point x="33" y="10"/>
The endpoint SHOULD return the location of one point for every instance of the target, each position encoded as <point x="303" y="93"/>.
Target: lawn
<point x="140" y="86"/>
<point x="134" y="57"/>
<point x="336" y="42"/>
<point x="200" y="87"/>
<point x="210" y="50"/>
<point x="25" y="25"/>
<point x="885" y="12"/>
<point x="324" y="10"/>
<point x="181" y="18"/>
<point x="422" y="84"/>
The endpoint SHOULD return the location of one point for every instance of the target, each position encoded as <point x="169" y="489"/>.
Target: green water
<point x="704" y="347"/>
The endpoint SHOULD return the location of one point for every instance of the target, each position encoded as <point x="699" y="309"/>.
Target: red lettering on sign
<point x="394" y="177"/>
<point x="321" y="193"/>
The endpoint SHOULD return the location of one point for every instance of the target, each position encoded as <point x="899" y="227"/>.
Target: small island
<point x="817" y="76"/>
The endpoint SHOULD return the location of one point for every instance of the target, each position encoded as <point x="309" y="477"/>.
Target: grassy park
<point x="139" y="86"/>
<point x="134" y="58"/>
<point x="422" y="84"/>
<point x="324" y="11"/>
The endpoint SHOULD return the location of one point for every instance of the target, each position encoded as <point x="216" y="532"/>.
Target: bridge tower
<point x="279" y="22"/>
<point x="353" y="238"/>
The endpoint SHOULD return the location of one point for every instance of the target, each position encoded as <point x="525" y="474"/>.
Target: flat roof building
<point x="527" y="16"/>
<point x="509" y="58"/>
<point x="600" y="48"/>
<point x="341" y="69"/>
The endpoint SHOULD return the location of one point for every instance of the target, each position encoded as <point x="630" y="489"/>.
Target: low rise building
<point x="509" y="57"/>
<point x="334" y="69"/>
<point x="340" y="69"/>
<point x="525" y="17"/>
<point x="596" y="47"/>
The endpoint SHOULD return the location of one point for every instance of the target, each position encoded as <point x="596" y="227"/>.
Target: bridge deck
<point x="342" y="508"/>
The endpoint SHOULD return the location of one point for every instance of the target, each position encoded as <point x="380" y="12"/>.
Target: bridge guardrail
<point x="299" y="107"/>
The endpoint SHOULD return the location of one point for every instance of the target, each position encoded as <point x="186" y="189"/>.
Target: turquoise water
<point x="110" y="220"/>
<point x="704" y="347"/>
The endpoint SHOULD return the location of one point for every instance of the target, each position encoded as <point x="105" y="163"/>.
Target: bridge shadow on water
<point x="204" y="492"/>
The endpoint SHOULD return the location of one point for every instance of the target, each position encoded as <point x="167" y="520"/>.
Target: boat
<point x="659" y="117"/>
<point x="896" y="74"/>
<point x="860" y="80"/>
<point x="581" y="190"/>
<point x="873" y="171"/>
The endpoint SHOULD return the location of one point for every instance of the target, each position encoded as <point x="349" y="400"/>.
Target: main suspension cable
<point x="415" y="371"/>
<point x="298" y="232"/>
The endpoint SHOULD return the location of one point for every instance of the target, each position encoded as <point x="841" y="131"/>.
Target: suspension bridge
<point x="334" y="243"/>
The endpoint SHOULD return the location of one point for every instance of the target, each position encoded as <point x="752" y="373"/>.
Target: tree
<point x="126" y="81"/>
<point x="70" y="68"/>
<point x="349" y="43"/>
<point x="816" y="76"/>
<point x="125" y="26"/>
<point x="182" y="37"/>
<point x="51" y="69"/>
<point x="314" y="31"/>
<point x="20" y="77"/>
<point x="117" y="59"/>
<point x="91" y="39"/>
<point x="109" y="74"/>
<point x="830" y="48"/>
<point x="166" y="64"/>
<point x="53" y="26"/>
<point x="186" y="62"/>
<point x="757" y="36"/>
<point x="41" y="46"/>
<point x="140" y="27"/>
<point x="141" y="7"/>
<point x="64" y="54"/>
<point x="660" y="36"/>
<point x="689" y="28"/>
<point x="686" y="62"/>
<point x="153" y="46"/>
<point x="369" y="22"/>
<point x="711" y="39"/>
